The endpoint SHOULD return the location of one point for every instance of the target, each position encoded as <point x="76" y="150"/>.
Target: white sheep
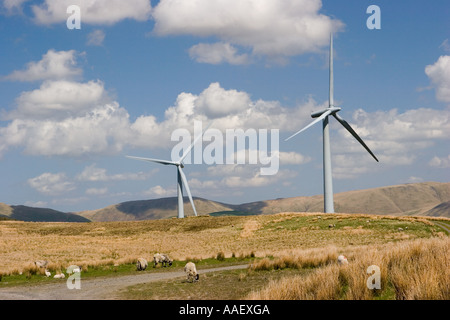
<point x="141" y="264"/>
<point x="191" y="272"/>
<point x="342" y="260"/>
<point x="47" y="273"/>
<point x="59" y="276"/>
<point x="163" y="259"/>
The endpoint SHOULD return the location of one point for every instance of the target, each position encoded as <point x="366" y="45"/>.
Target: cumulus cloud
<point x="268" y="27"/>
<point x="159" y="191"/>
<point x="217" y="53"/>
<point x="52" y="184"/>
<point x="438" y="162"/>
<point x="53" y="65"/>
<point x="217" y="102"/>
<point x="439" y="74"/>
<point x="93" y="12"/>
<point x="60" y="99"/>
<point x="394" y="137"/>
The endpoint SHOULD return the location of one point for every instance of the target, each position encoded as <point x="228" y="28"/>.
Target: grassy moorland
<point x="287" y="247"/>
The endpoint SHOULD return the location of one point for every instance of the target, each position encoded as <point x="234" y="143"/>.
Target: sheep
<point x="191" y="272"/>
<point x="77" y="269"/>
<point x="163" y="259"/>
<point x="331" y="226"/>
<point x="47" y="273"/>
<point x="41" y="263"/>
<point x="342" y="260"/>
<point x="141" y="264"/>
<point x="59" y="276"/>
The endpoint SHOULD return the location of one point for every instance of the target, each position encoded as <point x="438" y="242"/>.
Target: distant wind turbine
<point x="323" y="116"/>
<point x="181" y="178"/>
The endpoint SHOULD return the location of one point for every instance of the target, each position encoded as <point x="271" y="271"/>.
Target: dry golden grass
<point x="101" y="243"/>
<point x="418" y="269"/>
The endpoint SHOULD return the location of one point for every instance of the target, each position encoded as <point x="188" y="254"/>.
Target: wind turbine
<point x="181" y="177"/>
<point x="323" y="116"/>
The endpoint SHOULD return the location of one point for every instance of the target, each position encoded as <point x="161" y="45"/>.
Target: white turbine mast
<point x="181" y="177"/>
<point x="323" y="116"/>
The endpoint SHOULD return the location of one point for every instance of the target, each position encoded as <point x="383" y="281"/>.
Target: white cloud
<point x="13" y="6"/>
<point x="96" y="38"/>
<point x="53" y="65"/>
<point x="271" y="28"/>
<point x="94" y="174"/>
<point x="60" y="99"/>
<point x="159" y="191"/>
<point x="440" y="162"/>
<point x="439" y="73"/>
<point x="216" y="102"/>
<point x="93" y="12"/>
<point x="413" y="179"/>
<point x="51" y="184"/>
<point x="217" y="53"/>
<point x="395" y="138"/>
<point x="445" y="45"/>
<point x="293" y="158"/>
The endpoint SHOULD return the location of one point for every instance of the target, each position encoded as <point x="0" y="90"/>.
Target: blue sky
<point x="75" y="102"/>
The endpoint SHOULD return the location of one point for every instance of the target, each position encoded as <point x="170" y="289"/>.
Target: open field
<point x="272" y="237"/>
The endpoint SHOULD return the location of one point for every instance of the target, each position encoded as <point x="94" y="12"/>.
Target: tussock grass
<point x="418" y="269"/>
<point x="115" y="243"/>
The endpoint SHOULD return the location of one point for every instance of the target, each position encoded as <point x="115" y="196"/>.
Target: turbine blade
<point x="185" y="183"/>
<point x="193" y="143"/>
<point x="323" y="116"/>
<point x="354" y="134"/>
<point x="165" y="162"/>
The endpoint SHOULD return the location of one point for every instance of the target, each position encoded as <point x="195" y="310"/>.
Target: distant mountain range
<point x="419" y="199"/>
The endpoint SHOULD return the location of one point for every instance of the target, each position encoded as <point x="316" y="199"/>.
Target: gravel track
<point x="94" y="289"/>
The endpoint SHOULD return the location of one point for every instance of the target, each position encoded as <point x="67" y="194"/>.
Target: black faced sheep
<point x="191" y="272"/>
<point x="141" y="264"/>
<point x="162" y="259"/>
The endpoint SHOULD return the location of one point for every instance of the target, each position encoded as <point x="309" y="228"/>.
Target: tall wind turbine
<point x="323" y="116"/>
<point x="181" y="178"/>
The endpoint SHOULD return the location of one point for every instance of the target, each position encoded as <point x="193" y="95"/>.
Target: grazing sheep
<point x="41" y="263"/>
<point x="59" y="276"/>
<point x="400" y="229"/>
<point x="141" y="264"/>
<point x="331" y="226"/>
<point x="342" y="260"/>
<point x="191" y="272"/>
<point x="163" y="259"/>
<point x="77" y="269"/>
<point x="73" y="269"/>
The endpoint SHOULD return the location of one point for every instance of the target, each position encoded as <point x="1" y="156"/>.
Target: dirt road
<point x="93" y="289"/>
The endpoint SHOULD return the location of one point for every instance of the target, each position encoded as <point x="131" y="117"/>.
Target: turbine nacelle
<point x="333" y="110"/>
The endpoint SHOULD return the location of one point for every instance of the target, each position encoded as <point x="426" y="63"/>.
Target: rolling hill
<point x="24" y="213"/>
<point x="420" y="199"/>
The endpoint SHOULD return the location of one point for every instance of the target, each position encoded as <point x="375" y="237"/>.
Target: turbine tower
<point x="323" y="116"/>
<point x="181" y="177"/>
